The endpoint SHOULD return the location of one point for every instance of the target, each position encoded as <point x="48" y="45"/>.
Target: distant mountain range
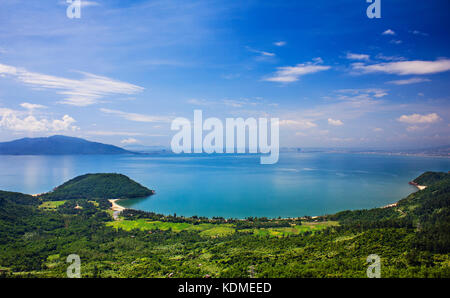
<point x="58" y="145"/>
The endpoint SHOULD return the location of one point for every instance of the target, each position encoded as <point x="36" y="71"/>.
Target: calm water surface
<point x="236" y="186"/>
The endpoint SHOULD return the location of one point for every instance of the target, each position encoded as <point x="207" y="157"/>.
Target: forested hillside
<point x="106" y="186"/>
<point x="412" y="240"/>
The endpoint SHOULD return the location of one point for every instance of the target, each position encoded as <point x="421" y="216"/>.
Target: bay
<point x="236" y="186"/>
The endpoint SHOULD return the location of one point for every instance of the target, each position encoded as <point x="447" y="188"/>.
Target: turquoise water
<point x="236" y="186"/>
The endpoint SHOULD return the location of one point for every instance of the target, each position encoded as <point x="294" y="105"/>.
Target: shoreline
<point x="420" y="187"/>
<point x="118" y="208"/>
<point x="115" y="206"/>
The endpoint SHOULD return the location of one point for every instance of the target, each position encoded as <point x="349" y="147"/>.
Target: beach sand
<point x="115" y="206"/>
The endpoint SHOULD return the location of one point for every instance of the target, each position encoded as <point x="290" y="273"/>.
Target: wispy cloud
<point x="409" y="81"/>
<point x="113" y="133"/>
<point x="353" y="56"/>
<point x="415" y="67"/>
<point x="288" y="74"/>
<point x="396" y="41"/>
<point x="129" y="141"/>
<point x="418" y="118"/>
<point x="335" y="122"/>
<point x="390" y="58"/>
<point x="280" y="43"/>
<point x="388" y="32"/>
<point x="83" y="92"/>
<point x="417" y="32"/>
<point x="31" y="106"/>
<point x="361" y="94"/>
<point x="298" y="124"/>
<point x="262" y="53"/>
<point x="135" y="116"/>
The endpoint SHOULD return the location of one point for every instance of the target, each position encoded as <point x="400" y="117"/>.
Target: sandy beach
<point x="115" y="206"/>
<point x="420" y="187"/>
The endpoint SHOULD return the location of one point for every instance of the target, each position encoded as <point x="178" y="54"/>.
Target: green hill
<point x="429" y="178"/>
<point x="101" y="186"/>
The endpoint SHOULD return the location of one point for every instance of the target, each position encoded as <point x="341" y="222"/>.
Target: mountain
<point x="146" y="149"/>
<point x="99" y="186"/>
<point x="57" y="145"/>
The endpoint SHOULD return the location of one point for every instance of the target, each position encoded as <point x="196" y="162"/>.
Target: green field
<point x="218" y="230"/>
<point x="51" y="205"/>
<point x="293" y="230"/>
<point x="205" y="229"/>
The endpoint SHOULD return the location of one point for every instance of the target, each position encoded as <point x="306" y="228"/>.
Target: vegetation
<point x="104" y="186"/>
<point x="412" y="239"/>
<point x="429" y="178"/>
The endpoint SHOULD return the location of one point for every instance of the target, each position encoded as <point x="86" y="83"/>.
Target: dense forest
<point x="110" y="186"/>
<point x="37" y="234"/>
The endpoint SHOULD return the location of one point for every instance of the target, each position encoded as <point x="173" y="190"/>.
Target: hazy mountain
<point x="57" y="145"/>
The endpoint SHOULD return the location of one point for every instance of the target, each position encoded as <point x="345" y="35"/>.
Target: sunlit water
<point x="236" y="186"/>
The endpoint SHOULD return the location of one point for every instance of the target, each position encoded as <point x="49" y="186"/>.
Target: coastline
<point x="118" y="208"/>
<point x="115" y="206"/>
<point x="420" y="187"/>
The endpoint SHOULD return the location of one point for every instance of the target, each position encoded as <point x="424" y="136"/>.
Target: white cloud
<point x="198" y="102"/>
<point x="318" y="60"/>
<point x="17" y="121"/>
<point x="83" y="92"/>
<point x="113" y="133"/>
<point x="390" y="58"/>
<point x="361" y="94"/>
<point x="388" y="32"/>
<point x="135" y="116"/>
<point x="377" y="129"/>
<point x="288" y="74"/>
<point x="335" y="122"/>
<point x="417" y="32"/>
<point x="353" y="56"/>
<point x="129" y="141"/>
<point x="396" y="41"/>
<point x="262" y="53"/>
<point x="280" y="43"/>
<point x="414" y="128"/>
<point x="31" y="106"/>
<point x="415" y="67"/>
<point x="301" y="124"/>
<point x="409" y="81"/>
<point x="419" y="119"/>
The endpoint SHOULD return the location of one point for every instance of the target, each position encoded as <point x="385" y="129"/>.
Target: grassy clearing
<point x="293" y="230"/>
<point x="51" y="205"/>
<point x="211" y="230"/>
<point x="218" y="230"/>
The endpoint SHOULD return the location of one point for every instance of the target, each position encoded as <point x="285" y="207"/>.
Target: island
<point x="100" y="186"/>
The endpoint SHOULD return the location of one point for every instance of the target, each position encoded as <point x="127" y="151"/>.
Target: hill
<point x="57" y="145"/>
<point x="100" y="186"/>
<point x="429" y="178"/>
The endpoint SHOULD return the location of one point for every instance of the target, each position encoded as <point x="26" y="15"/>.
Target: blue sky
<point x="125" y="69"/>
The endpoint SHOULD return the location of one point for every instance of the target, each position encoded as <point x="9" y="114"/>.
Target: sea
<point x="236" y="186"/>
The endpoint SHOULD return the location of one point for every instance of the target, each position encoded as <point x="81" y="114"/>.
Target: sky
<point x="123" y="71"/>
